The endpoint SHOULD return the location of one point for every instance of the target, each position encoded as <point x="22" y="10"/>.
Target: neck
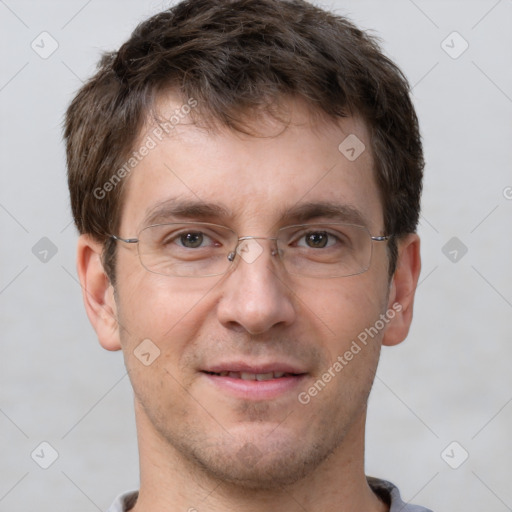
<point x="170" y="482"/>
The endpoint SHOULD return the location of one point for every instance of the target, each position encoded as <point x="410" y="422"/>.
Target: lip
<point x="243" y="366"/>
<point x="254" y="389"/>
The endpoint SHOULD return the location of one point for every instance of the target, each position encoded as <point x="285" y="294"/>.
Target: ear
<point x="97" y="293"/>
<point x="402" y="289"/>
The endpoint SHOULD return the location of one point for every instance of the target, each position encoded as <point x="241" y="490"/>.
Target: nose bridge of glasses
<point x="249" y="249"/>
<point x="256" y="237"/>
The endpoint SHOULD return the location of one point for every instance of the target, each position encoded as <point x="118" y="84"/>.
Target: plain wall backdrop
<point x="443" y="395"/>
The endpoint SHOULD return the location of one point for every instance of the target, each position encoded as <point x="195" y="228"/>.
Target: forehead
<point x="252" y="182"/>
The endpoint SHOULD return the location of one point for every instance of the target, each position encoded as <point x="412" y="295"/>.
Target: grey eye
<point x="192" y="240"/>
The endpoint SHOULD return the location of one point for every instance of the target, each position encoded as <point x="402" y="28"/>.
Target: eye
<point x="317" y="240"/>
<point x="185" y="239"/>
<point x="192" y="240"/>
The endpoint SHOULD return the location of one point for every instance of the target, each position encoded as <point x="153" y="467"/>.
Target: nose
<point x="255" y="297"/>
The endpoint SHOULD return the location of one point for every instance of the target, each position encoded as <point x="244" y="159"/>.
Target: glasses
<point x="191" y="249"/>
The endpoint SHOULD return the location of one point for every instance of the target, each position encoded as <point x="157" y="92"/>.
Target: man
<point x="246" y="178"/>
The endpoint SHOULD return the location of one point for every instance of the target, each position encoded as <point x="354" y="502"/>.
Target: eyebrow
<point x="176" y="209"/>
<point x="305" y="212"/>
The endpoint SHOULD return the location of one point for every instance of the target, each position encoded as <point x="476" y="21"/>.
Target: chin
<point x="261" y="464"/>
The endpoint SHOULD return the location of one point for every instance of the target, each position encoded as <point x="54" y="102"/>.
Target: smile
<point x="255" y="383"/>
<point x="253" y="376"/>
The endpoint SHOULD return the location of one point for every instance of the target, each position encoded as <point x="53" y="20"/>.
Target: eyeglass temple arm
<point x="125" y="240"/>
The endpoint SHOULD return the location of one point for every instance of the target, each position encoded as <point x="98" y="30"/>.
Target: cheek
<point x="345" y="314"/>
<point x="342" y="310"/>
<point x="167" y="311"/>
<point x="161" y="320"/>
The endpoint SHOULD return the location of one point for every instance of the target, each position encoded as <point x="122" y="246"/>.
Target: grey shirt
<point x="386" y="491"/>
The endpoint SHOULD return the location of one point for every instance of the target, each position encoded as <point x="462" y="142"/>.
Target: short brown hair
<point x="234" y="56"/>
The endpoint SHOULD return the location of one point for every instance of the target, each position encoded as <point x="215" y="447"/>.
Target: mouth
<point x="255" y="382"/>
<point x="254" y="376"/>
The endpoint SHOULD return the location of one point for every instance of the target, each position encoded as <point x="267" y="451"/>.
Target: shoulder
<point x="390" y="494"/>
<point x="124" y="502"/>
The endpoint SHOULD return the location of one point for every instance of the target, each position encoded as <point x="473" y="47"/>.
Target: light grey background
<point x="450" y="381"/>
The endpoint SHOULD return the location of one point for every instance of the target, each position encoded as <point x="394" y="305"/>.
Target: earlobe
<point x="402" y="289"/>
<point x="97" y="293"/>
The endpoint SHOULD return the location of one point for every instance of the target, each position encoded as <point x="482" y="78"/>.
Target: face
<point x="256" y="318"/>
